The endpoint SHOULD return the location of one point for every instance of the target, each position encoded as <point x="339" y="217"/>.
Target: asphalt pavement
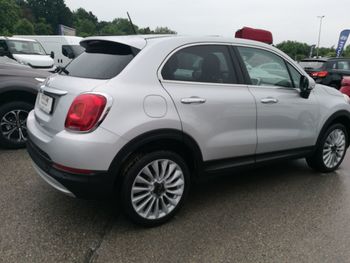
<point x="282" y="212"/>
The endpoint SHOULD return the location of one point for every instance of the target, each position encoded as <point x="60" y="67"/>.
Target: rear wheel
<point x="13" y="129"/>
<point x="155" y="187"/>
<point x="331" y="149"/>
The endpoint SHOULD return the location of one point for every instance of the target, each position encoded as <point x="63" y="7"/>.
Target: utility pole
<point x="319" y="34"/>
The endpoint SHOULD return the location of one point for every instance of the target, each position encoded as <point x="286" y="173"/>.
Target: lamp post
<point x="319" y="34"/>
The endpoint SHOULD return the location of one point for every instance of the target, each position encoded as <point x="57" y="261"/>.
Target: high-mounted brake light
<point x="85" y="112"/>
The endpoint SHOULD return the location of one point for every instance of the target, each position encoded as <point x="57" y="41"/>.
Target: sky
<point x="287" y="20"/>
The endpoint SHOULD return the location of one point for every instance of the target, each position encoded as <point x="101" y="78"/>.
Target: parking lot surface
<point x="282" y="212"/>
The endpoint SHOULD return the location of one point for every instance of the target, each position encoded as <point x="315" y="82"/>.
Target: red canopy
<point x="255" y="34"/>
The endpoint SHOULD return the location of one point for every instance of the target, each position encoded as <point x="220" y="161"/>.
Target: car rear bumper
<point x="97" y="185"/>
<point x="93" y="152"/>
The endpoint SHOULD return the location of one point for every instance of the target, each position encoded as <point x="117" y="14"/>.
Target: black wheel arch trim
<point x="15" y="88"/>
<point x="331" y="119"/>
<point x="153" y="136"/>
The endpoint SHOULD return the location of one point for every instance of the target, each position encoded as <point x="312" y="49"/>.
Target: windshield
<point x="25" y="47"/>
<point x="312" y="64"/>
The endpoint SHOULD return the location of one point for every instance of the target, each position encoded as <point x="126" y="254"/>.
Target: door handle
<point x="193" y="100"/>
<point x="269" y="100"/>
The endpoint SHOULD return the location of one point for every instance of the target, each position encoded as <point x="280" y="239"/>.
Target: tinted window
<point x="101" y="60"/>
<point x="343" y="65"/>
<point x="205" y="63"/>
<point x="313" y="65"/>
<point x="256" y="61"/>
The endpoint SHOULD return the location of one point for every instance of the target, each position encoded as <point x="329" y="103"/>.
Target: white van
<point x="27" y="52"/>
<point x="62" y="48"/>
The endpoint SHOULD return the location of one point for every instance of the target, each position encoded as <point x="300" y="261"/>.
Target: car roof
<point x="17" y="39"/>
<point x="140" y="41"/>
<point x="314" y="59"/>
<point x="323" y="59"/>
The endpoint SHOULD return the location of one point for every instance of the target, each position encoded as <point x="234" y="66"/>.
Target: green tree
<point x="109" y="29"/>
<point x="81" y="14"/>
<point x="158" y="30"/>
<point x="42" y="28"/>
<point x="85" y="28"/>
<point x="54" y="11"/>
<point x="84" y="22"/>
<point x="163" y="30"/>
<point x="9" y="15"/>
<point x="24" y="27"/>
<point x="145" y="31"/>
<point x="119" y="26"/>
<point x="346" y="52"/>
<point x="294" y="49"/>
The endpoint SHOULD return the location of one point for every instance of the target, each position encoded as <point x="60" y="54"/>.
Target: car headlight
<point x="347" y="98"/>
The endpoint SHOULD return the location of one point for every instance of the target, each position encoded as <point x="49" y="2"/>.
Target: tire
<point x="330" y="150"/>
<point x="150" y="198"/>
<point x="13" y="129"/>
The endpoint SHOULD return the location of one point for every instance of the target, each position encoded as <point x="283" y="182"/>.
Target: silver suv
<point x="139" y="117"/>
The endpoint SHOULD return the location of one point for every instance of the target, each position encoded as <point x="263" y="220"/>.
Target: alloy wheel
<point x="157" y="189"/>
<point x="334" y="148"/>
<point x="13" y="126"/>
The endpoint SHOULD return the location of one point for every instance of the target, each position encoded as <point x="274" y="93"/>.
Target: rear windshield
<point x="101" y="60"/>
<point x="313" y="65"/>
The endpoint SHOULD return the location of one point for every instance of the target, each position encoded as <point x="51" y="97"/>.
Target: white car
<point x="27" y="52"/>
<point x="139" y="117"/>
<point x="63" y="49"/>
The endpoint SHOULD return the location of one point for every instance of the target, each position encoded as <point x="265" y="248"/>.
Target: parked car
<point x="345" y="86"/>
<point x="27" y="52"/>
<point x="18" y="90"/>
<point x="140" y="117"/>
<point x="62" y="48"/>
<point x="327" y="71"/>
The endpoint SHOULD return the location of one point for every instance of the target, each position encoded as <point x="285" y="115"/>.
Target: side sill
<point x="224" y="165"/>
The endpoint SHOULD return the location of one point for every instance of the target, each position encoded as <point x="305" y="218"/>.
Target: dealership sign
<point x="344" y="35"/>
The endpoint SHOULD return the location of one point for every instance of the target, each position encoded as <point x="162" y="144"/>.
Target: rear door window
<point x="101" y="60"/>
<point x="202" y="63"/>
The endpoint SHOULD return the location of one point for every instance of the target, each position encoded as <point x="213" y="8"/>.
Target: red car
<point x="345" y="86"/>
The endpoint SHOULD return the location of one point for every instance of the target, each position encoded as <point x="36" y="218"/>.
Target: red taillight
<point x="85" y="112"/>
<point x="320" y="74"/>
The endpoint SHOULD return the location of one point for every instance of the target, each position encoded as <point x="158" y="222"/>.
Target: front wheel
<point x="331" y="150"/>
<point x="155" y="187"/>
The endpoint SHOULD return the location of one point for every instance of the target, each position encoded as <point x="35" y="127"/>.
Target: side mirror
<point x="305" y="87"/>
<point x="52" y="54"/>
